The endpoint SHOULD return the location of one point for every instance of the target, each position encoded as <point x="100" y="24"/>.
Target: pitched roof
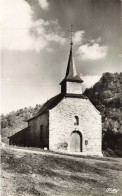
<point x="51" y="103"/>
<point x="23" y="132"/>
<point x="71" y="73"/>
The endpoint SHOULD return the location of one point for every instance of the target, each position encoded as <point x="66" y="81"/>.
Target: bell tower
<point x="72" y="83"/>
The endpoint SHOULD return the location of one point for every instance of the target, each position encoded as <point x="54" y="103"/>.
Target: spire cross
<point x="71" y="32"/>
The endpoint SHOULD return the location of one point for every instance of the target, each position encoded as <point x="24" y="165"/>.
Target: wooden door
<point x="75" y="142"/>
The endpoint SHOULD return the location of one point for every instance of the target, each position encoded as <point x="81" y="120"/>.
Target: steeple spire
<point x="71" y="69"/>
<point x="71" y="73"/>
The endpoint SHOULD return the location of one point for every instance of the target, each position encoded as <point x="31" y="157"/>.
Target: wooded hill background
<point x="106" y="95"/>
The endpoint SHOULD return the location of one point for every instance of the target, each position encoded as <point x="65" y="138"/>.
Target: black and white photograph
<point x="61" y="97"/>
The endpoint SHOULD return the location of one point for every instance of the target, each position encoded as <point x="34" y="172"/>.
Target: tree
<point x="4" y="123"/>
<point x="11" y="120"/>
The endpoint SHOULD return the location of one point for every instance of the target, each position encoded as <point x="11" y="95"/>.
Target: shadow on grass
<point x="31" y="191"/>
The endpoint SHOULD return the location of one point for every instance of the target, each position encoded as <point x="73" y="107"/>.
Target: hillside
<point x="49" y="174"/>
<point x="106" y="95"/>
<point x="16" y="121"/>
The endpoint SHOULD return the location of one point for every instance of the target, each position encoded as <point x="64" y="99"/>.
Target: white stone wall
<point x="35" y="124"/>
<point x="73" y="87"/>
<point x="62" y="125"/>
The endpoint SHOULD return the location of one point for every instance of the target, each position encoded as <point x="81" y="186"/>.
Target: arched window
<point x="76" y="120"/>
<point x="86" y="142"/>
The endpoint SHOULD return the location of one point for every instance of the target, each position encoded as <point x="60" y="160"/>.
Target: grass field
<point x="31" y="174"/>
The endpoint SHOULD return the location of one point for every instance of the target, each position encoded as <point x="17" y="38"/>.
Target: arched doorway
<point x="76" y="142"/>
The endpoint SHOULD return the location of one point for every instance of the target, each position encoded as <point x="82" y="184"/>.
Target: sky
<point x="36" y="42"/>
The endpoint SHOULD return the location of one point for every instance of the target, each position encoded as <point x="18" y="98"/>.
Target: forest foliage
<point x="106" y="95"/>
<point x="16" y="121"/>
<point x="10" y="119"/>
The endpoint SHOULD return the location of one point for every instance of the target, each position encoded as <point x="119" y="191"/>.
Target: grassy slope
<point x="28" y="174"/>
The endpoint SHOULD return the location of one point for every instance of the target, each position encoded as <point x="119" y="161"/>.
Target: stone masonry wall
<point x="34" y="125"/>
<point x="62" y="125"/>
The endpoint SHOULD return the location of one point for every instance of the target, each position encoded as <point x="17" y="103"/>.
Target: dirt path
<point x="49" y="153"/>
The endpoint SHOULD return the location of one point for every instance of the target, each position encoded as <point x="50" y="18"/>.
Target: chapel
<point x="68" y="122"/>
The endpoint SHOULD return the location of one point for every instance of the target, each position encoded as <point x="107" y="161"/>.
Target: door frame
<point x="81" y="140"/>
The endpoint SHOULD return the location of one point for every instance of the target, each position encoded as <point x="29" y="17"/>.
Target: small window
<point x="86" y="142"/>
<point x="76" y="120"/>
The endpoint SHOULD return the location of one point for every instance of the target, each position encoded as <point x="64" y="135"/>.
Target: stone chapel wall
<point x="62" y="125"/>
